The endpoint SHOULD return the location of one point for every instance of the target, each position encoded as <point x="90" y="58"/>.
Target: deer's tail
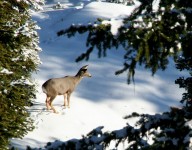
<point x="44" y="90"/>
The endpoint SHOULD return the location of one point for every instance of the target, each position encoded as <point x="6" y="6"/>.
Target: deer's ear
<point x="85" y="67"/>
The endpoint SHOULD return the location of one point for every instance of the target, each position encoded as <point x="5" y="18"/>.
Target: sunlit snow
<point x="102" y="100"/>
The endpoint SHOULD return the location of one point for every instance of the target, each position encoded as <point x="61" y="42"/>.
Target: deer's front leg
<point x="65" y="100"/>
<point x="68" y="99"/>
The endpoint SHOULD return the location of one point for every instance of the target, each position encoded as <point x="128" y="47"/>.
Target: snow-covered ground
<point x="102" y="100"/>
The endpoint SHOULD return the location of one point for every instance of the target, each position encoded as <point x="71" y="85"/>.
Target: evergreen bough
<point x="18" y="59"/>
<point x="149" y="37"/>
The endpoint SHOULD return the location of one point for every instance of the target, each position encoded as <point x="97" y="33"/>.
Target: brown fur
<point x="62" y="86"/>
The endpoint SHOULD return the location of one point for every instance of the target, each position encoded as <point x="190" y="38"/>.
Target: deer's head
<point x="83" y="72"/>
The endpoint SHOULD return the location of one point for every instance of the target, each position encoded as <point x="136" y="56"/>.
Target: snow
<point x="21" y="81"/>
<point x="5" y="71"/>
<point x="102" y="100"/>
<point x="189" y="124"/>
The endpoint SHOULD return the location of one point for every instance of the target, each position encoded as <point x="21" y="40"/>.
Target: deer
<point x="63" y="86"/>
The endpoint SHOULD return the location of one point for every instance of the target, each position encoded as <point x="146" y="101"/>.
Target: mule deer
<point x="63" y="86"/>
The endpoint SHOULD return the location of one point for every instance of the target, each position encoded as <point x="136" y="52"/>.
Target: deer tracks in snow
<point x="38" y="112"/>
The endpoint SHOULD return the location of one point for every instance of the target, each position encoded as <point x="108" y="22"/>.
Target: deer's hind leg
<point x="48" y="102"/>
<point x="51" y="105"/>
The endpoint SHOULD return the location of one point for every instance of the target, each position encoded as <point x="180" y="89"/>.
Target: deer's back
<point x="59" y="86"/>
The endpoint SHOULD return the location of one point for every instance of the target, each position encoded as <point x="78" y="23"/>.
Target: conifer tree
<point x="18" y="59"/>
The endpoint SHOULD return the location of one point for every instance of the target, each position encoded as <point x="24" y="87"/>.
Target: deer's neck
<point x="78" y="79"/>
